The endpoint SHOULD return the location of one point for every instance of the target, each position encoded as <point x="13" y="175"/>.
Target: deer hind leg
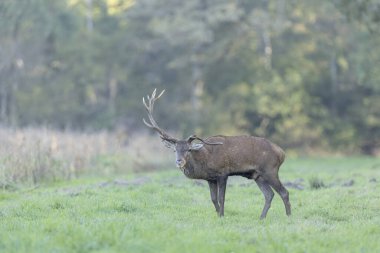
<point x="214" y="194"/>
<point x="268" y="195"/>
<point x="276" y="184"/>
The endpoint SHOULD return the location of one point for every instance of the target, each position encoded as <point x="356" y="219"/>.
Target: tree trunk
<point x="334" y="82"/>
<point x="89" y="19"/>
<point x="197" y="87"/>
<point x="3" y="103"/>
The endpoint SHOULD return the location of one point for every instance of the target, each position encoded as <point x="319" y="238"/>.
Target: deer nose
<point x="180" y="163"/>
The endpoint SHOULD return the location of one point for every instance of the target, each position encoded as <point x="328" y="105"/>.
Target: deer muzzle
<point x="180" y="163"/>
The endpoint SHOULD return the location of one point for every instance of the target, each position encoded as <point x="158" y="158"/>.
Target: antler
<point x="153" y="124"/>
<point x="194" y="137"/>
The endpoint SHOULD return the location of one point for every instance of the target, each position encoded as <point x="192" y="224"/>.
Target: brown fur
<point x="238" y="154"/>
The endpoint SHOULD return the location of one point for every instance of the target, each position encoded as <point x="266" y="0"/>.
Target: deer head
<point x="183" y="148"/>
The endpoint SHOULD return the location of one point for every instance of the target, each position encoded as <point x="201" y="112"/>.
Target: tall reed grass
<point x="34" y="155"/>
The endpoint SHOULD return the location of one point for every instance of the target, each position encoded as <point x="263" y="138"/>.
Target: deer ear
<point x="196" y="146"/>
<point x="191" y="138"/>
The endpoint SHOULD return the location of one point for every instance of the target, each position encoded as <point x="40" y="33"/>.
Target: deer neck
<point x="196" y="164"/>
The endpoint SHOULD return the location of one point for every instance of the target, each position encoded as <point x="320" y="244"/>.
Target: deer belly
<point x="248" y="171"/>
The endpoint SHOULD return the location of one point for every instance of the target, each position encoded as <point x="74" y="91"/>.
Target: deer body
<point x="216" y="158"/>
<point x="211" y="162"/>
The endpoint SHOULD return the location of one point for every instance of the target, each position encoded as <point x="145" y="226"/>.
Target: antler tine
<point x="162" y="92"/>
<point x="146" y="123"/>
<point x="154" y="93"/>
<point x="146" y="106"/>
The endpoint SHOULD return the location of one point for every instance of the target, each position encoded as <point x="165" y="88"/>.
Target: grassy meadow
<point x="335" y="205"/>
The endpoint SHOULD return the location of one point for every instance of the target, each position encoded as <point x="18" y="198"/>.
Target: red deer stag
<point x="216" y="158"/>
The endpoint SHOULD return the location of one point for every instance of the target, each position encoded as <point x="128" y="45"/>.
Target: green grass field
<point x="166" y="212"/>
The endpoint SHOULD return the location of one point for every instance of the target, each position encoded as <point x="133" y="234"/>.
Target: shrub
<point x="316" y="183"/>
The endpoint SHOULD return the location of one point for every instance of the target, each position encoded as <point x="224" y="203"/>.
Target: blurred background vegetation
<point x="304" y="74"/>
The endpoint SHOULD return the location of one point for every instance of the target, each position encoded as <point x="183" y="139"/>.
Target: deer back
<point x="239" y="154"/>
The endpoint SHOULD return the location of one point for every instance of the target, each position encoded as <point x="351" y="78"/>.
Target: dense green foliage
<point x="303" y="73"/>
<point x="165" y="212"/>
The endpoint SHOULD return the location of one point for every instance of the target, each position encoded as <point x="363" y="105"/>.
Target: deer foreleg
<point x="214" y="194"/>
<point x="222" y="182"/>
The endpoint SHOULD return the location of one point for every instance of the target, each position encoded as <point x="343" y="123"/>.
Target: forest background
<point x="304" y="74"/>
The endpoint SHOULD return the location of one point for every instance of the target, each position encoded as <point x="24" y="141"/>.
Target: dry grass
<point x="33" y="155"/>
